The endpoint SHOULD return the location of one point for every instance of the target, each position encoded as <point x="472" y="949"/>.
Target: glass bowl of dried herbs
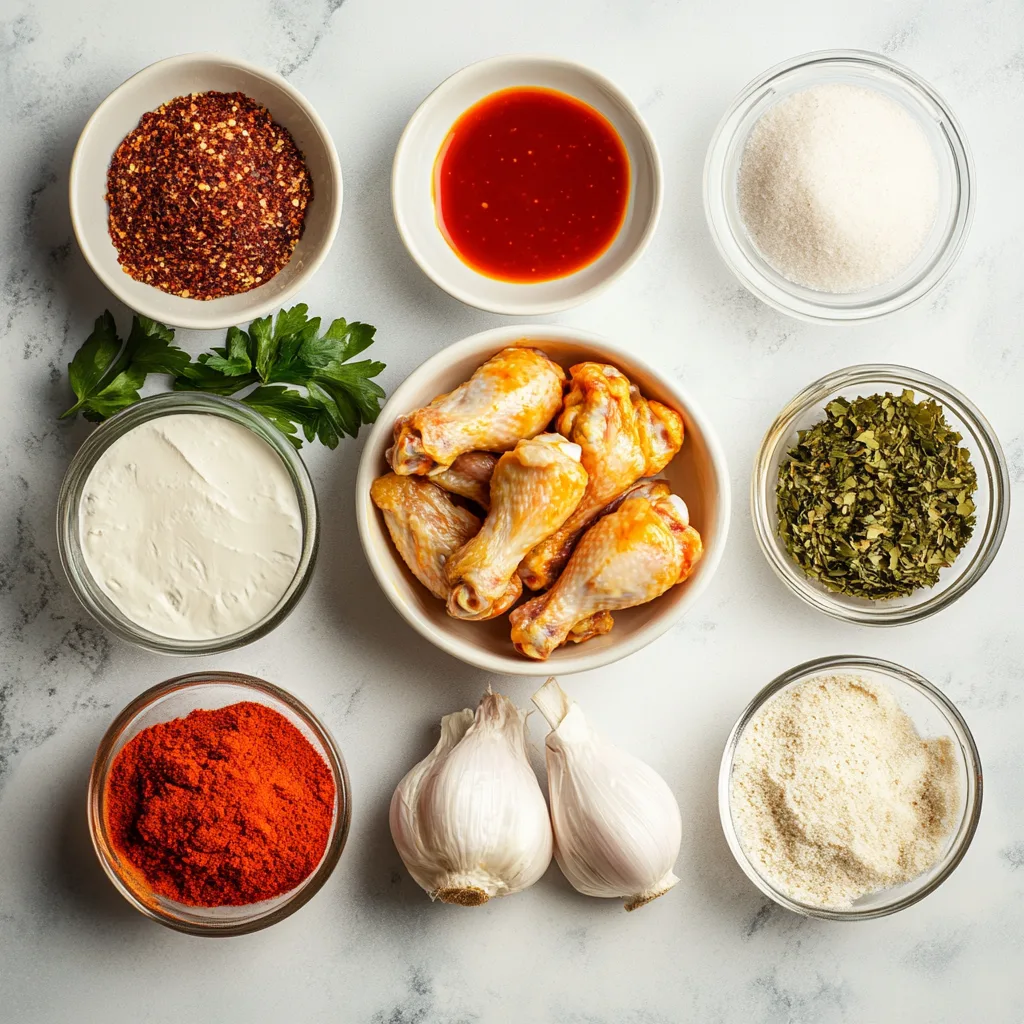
<point x="880" y="495"/>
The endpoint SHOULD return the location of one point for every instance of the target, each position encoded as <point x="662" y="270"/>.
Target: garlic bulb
<point x="617" y="824"/>
<point x="470" y="821"/>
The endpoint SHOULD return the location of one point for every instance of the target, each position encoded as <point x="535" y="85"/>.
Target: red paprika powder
<point x="221" y="808"/>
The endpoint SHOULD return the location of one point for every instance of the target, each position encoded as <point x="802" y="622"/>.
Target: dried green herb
<point x="876" y="499"/>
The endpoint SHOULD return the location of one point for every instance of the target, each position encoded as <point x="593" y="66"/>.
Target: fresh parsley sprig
<point x="268" y="363"/>
<point x="106" y="373"/>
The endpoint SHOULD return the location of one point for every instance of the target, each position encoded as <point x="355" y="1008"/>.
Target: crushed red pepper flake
<point x="207" y="196"/>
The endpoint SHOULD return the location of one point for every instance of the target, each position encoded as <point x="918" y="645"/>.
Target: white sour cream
<point x="191" y="525"/>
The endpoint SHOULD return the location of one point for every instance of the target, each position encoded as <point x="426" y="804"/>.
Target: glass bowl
<point x="956" y="185"/>
<point x="934" y="716"/>
<point x="175" y="699"/>
<point x="69" y="545"/>
<point x="992" y="498"/>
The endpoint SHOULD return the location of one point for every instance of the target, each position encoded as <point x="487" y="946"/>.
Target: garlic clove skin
<point x="470" y="821"/>
<point x="617" y="824"/>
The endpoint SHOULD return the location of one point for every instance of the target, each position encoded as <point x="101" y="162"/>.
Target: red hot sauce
<point x="531" y="185"/>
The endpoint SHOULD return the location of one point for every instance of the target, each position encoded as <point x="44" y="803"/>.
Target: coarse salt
<point x="838" y="188"/>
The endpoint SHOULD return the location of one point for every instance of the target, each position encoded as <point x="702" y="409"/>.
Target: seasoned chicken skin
<point x="427" y="527"/>
<point x="534" y="489"/>
<point x="514" y="395"/>
<point x="651" y="489"/>
<point x="623" y="437"/>
<point x="627" y="558"/>
<point x="469" y="476"/>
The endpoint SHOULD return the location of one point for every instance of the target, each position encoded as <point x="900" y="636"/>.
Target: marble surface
<point x="371" y="947"/>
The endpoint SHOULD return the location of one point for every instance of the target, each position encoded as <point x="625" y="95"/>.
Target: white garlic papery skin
<point x="617" y="824"/>
<point x="470" y="821"/>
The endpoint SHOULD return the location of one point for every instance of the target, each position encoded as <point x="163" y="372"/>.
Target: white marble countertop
<point x="370" y="946"/>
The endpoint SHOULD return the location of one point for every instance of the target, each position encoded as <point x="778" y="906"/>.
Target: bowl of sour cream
<point x="187" y="524"/>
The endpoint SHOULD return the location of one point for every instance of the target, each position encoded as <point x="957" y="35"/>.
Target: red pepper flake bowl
<point x="119" y="114"/>
<point x="175" y="699"/>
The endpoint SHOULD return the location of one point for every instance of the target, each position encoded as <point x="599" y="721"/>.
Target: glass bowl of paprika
<point x="218" y="803"/>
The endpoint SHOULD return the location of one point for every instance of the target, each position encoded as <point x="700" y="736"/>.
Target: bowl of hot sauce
<point x="525" y="185"/>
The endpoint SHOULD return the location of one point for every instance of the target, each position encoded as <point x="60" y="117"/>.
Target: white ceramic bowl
<point x="698" y="474"/>
<point x="120" y="112"/>
<point x="412" y="176"/>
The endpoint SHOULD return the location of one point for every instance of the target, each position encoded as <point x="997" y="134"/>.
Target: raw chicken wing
<point x="534" y="489"/>
<point x="627" y="558"/>
<point x="651" y="489"/>
<point x="515" y="394"/>
<point x="469" y="476"/>
<point x="427" y="527"/>
<point x="623" y="437"/>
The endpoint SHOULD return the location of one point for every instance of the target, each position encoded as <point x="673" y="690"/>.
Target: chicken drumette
<point x="534" y="488"/>
<point x="623" y="437"/>
<point x="627" y="558"/>
<point x="427" y="527"/>
<point x="514" y="395"/>
<point x="469" y="476"/>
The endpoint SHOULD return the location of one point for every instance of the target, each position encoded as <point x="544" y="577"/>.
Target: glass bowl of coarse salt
<point x="187" y="524"/>
<point x="850" y="788"/>
<point x="839" y="187"/>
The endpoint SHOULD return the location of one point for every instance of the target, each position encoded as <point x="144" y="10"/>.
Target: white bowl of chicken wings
<point x="538" y="500"/>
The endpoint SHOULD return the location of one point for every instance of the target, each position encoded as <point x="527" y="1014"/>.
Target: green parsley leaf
<point x="121" y="392"/>
<point x="290" y="321"/>
<point x="341" y="341"/>
<point x="233" y="360"/>
<point x="93" y="359"/>
<point x="262" y="334"/>
<point x="286" y="409"/>
<point x="150" y="348"/>
<point x="199" y="377"/>
<point x="106" y="377"/>
<point x="277" y="355"/>
<point x="340" y="396"/>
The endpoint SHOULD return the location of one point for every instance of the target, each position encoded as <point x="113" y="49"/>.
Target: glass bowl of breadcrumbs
<point x="850" y="788"/>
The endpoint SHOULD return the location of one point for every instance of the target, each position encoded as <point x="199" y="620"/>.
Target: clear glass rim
<point x="992" y="465"/>
<point x="958" y="726"/>
<point x="777" y="295"/>
<point x="96" y="602"/>
<point x="103" y="760"/>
